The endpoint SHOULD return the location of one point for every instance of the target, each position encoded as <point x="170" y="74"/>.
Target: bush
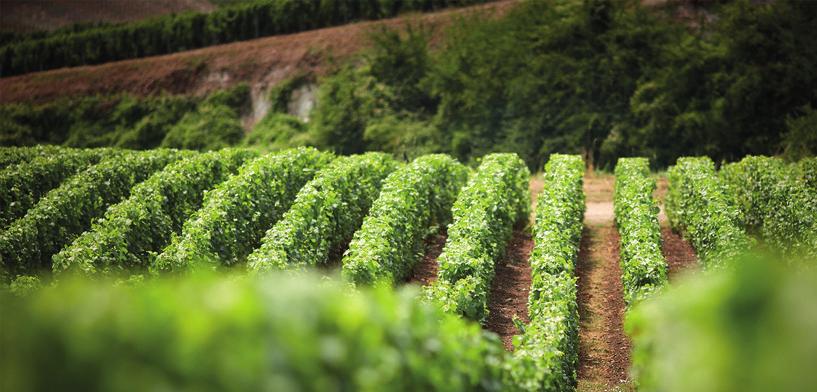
<point x="406" y="138"/>
<point x="93" y="121"/>
<point x="277" y="131"/>
<point x="151" y="129"/>
<point x="643" y="267"/>
<point x="546" y="354"/>
<point x="495" y="198"/>
<point x="23" y="185"/>
<point x="67" y="211"/>
<point x="325" y="214"/>
<point x="697" y="205"/>
<point x="210" y="127"/>
<point x="130" y="234"/>
<point x="747" y="328"/>
<point x="344" y="107"/>
<point x="415" y="201"/>
<point x="208" y="334"/>
<point x="800" y="138"/>
<point x="235" y="215"/>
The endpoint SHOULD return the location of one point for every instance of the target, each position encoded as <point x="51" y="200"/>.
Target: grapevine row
<point x="10" y="156"/>
<point x="643" y="267"/>
<point x="67" y="211"/>
<point x="22" y="185"/>
<point x="142" y="225"/>
<point x="237" y="213"/>
<point x="698" y="206"/>
<point x="325" y="214"/>
<point x="546" y="354"/>
<point x="495" y="198"/>
<point x="807" y="173"/>
<point x="775" y="201"/>
<point x="415" y="200"/>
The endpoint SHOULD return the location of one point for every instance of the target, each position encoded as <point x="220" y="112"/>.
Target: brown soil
<point x="680" y="255"/>
<point x="604" y="348"/>
<point x="661" y="188"/>
<point x="537" y="183"/>
<point x="598" y="187"/>
<point x="334" y="258"/>
<point x="508" y="298"/>
<point x="678" y="252"/>
<point x="425" y="272"/>
<point x="509" y="289"/>
<point x="262" y="62"/>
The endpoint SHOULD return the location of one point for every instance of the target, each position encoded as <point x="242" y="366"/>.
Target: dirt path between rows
<point x="604" y="348"/>
<point x="425" y="272"/>
<point x="508" y="298"/>
<point x="680" y="255"/>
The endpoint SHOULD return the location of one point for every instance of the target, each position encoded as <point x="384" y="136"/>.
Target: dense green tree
<point x="344" y="107"/>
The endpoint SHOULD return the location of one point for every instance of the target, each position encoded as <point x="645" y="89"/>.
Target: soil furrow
<point x="508" y="298"/>
<point x="425" y="272"/>
<point x="678" y="252"/>
<point x="604" y="348"/>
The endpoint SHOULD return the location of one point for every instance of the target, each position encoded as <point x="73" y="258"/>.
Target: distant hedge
<point x="177" y="32"/>
<point x="67" y="211"/>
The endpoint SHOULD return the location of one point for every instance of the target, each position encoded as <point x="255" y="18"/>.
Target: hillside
<point x="262" y="62"/>
<point x="27" y="16"/>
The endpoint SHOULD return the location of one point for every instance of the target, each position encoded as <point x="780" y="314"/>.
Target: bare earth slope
<point x="261" y="62"/>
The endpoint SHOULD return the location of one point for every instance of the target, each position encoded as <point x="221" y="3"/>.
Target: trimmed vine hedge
<point x="807" y="169"/>
<point x="643" y="267"/>
<point x="22" y="185"/>
<point x="776" y="201"/>
<point x="237" y="212"/>
<point x="546" y="354"/>
<point x="131" y="232"/>
<point x="67" y="211"/>
<point x="279" y="333"/>
<point x="415" y="201"/>
<point x="495" y="198"/>
<point x="325" y="214"/>
<point x="697" y="205"/>
<point x="790" y="225"/>
<point x="748" y="184"/>
<point x="10" y="156"/>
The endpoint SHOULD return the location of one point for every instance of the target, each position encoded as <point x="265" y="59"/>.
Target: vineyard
<point x="298" y="270"/>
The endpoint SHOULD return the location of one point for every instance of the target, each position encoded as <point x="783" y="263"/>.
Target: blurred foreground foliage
<point x="748" y="328"/>
<point x="206" y="333"/>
